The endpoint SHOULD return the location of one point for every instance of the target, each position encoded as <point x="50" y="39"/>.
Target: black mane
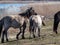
<point x="28" y="12"/>
<point x="23" y="14"/>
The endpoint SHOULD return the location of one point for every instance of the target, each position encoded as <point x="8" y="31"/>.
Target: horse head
<point x="30" y="11"/>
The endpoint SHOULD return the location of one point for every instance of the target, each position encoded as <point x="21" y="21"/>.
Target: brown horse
<point x="15" y="21"/>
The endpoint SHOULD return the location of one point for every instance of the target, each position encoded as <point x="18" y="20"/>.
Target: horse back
<point x="36" y="19"/>
<point x="17" y="19"/>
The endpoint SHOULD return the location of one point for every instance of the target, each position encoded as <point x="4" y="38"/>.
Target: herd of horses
<point x="19" y="21"/>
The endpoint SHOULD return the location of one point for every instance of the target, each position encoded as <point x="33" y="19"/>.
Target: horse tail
<point x="1" y="25"/>
<point x="43" y="23"/>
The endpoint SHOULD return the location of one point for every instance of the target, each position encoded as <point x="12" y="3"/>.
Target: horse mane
<point x="25" y="13"/>
<point x="22" y="14"/>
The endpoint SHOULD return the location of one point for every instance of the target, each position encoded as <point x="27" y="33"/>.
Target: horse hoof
<point x="23" y="37"/>
<point x="7" y="40"/>
<point x="17" y="38"/>
<point x="2" y="41"/>
<point x="33" y="36"/>
<point x="38" y="35"/>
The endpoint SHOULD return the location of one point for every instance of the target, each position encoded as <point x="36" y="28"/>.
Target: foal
<point x="35" y="23"/>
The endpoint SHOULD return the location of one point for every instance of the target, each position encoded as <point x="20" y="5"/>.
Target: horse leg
<point x="18" y="34"/>
<point x="38" y="32"/>
<point x="43" y="23"/>
<point x="23" y="34"/>
<point x="30" y="32"/>
<point x="24" y="27"/>
<point x="2" y="40"/>
<point x="55" y="26"/>
<point x="33" y="31"/>
<point x="6" y="35"/>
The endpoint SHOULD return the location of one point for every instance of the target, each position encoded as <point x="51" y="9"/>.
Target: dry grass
<point x="47" y="37"/>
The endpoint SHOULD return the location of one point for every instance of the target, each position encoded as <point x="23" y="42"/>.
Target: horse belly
<point x="15" y="24"/>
